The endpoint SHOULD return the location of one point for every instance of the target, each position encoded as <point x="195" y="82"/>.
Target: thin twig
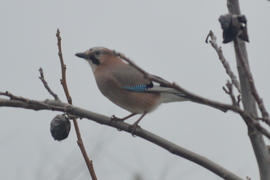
<point x="253" y="89"/>
<point x="12" y="97"/>
<point x="259" y="118"/>
<point x="229" y="91"/>
<point x="65" y="87"/>
<point x="46" y="85"/>
<point x="239" y="99"/>
<point x="122" y="56"/>
<point x="225" y="63"/>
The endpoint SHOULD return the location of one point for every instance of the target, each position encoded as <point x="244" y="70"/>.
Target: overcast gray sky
<point x="165" y="38"/>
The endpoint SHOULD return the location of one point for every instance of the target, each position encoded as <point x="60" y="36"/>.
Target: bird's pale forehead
<point x="98" y="49"/>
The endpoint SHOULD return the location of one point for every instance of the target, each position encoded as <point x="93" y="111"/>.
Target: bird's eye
<point x="97" y="53"/>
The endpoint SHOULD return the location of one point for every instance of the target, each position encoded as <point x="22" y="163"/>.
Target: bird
<point x="126" y="86"/>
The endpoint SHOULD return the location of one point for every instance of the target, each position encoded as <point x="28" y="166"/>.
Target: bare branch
<point x="253" y="89"/>
<point x="261" y="151"/>
<point x="122" y="56"/>
<point x="247" y="118"/>
<point x="53" y="105"/>
<point x="12" y="97"/>
<point x="229" y="91"/>
<point x="46" y="85"/>
<point x="63" y="67"/>
<point x="89" y="163"/>
<point x="224" y="62"/>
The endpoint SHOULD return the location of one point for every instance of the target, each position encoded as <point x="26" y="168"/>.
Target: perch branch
<point x="20" y="102"/>
<point x="53" y="105"/>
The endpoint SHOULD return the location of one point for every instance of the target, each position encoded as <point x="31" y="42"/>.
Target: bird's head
<point x="97" y="56"/>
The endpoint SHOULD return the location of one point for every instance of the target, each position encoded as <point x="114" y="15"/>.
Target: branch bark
<point x="249" y="103"/>
<point x="222" y="59"/>
<point x="248" y="118"/>
<point x="63" y="81"/>
<point x="52" y="105"/>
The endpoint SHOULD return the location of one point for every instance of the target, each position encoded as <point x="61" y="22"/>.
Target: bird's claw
<point x="114" y="118"/>
<point x="132" y="128"/>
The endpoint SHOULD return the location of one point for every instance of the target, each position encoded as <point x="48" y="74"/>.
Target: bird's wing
<point x="131" y="79"/>
<point x="128" y="76"/>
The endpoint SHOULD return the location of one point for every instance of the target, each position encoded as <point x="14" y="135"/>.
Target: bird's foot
<point x="132" y="128"/>
<point x="114" y="118"/>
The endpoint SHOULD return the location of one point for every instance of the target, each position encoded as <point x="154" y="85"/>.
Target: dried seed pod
<point x="60" y="127"/>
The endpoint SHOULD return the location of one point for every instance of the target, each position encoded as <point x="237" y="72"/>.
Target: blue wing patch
<point x="138" y="88"/>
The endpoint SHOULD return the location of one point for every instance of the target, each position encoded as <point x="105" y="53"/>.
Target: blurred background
<point x="164" y="38"/>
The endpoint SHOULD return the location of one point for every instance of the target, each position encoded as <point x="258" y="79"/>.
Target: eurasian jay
<point x="126" y="86"/>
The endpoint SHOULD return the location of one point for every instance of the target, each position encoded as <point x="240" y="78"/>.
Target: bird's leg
<point x="135" y="125"/>
<point x="122" y="119"/>
<point x="114" y="118"/>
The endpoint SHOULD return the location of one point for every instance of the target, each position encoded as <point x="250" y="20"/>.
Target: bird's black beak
<point x="81" y="55"/>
